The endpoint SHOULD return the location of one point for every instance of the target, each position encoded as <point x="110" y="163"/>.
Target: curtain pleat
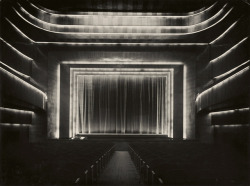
<point x="121" y="104"/>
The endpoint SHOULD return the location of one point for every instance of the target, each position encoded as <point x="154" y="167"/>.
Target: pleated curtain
<point x="121" y="104"/>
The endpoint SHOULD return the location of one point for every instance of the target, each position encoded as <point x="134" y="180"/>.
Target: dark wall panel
<point x="15" y="116"/>
<point x="15" y="59"/>
<point x="15" y="88"/>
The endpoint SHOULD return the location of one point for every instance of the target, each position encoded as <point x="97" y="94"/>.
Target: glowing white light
<point x="15" y="124"/>
<point x="228" y="51"/>
<point x="230" y="71"/>
<point x="24" y="82"/>
<point x="57" y="132"/>
<point x="231" y="77"/>
<point x="19" y="31"/>
<point x="184" y="102"/>
<point x="172" y="105"/>
<point x="123" y="62"/>
<point x="82" y="138"/>
<point x="75" y="72"/>
<point x="224" y="33"/>
<point x="19" y="73"/>
<point x="232" y="125"/>
<point x="222" y="82"/>
<point x="229" y="111"/>
<point x="16" y="110"/>
<point x="121" y="69"/>
<point x="17" y="51"/>
<point x="122" y="44"/>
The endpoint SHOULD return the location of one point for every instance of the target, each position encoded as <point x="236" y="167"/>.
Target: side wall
<point x="223" y="74"/>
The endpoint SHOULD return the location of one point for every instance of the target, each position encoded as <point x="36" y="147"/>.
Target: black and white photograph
<point x="125" y="92"/>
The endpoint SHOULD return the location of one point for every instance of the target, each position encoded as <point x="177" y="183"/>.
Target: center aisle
<point x="120" y="171"/>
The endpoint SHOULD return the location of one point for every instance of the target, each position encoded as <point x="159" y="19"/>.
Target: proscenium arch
<point x="177" y="91"/>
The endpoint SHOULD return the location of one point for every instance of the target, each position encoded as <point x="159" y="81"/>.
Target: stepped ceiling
<point x="119" y="21"/>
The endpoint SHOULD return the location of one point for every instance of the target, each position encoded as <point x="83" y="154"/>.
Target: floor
<point x="120" y="171"/>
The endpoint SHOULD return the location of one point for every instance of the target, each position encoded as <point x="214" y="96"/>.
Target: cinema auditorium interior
<point x="124" y="92"/>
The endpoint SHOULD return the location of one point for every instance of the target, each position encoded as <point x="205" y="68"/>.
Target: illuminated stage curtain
<point x="121" y="104"/>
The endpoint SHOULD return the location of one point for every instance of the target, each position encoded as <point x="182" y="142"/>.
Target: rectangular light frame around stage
<point x="76" y="72"/>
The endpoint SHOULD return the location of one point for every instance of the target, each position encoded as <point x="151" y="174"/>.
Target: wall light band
<point x="15" y="125"/>
<point x="122" y="62"/>
<point x="121" y="70"/>
<point x="19" y="31"/>
<point x="230" y="111"/>
<point x="57" y="133"/>
<point x="17" y="51"/>
<point x="232" y="125"/>
<point x="122" y="44"/>
<point x="228" y="51"/>
<point x="220" y="83"/>
<point x="184" y="101"/>
<point x="16" y="110"/>
<point x="227" y="31"/>
<point x="24" y="82"/>
<point x="230" y="71"/>
<point x="17" y="72"/>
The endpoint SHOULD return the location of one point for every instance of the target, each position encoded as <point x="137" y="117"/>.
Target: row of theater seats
<point x="184" y="163"/>
<point x="53" y="162"/>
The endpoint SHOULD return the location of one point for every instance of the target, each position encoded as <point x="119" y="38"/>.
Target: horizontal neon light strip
<point x="19" y="31"/>
<point x="224" y="33"/>
<point x="19" y="73"/>
<point x="123" y="62"/>
<point x="15" y="124"/>
<point x="114" y="13"/>
<point x="228" y="72"/>
<point x="24" y="82"/>
<point x="122" y="69"/>
<point x="233" y="76"/>
<point x="124" y="44"/>
<point x="232" y="125"/>
<point x="151" y="74"/>
<point x="16" y="110"/>
<point x="220" y="83"/>
<point x="17" y="51"/>
<point x="151" y="34"/>
<point x="229" y="111"/>
<point x="228" y="51"/>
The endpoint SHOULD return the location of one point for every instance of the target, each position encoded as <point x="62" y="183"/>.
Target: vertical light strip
<point x="172" y="103"/>
<point x="58" y="103"/>
<point x="169" y="105"/>
<point x="76" y="104"/>
<point x="71" y="105"/>
<point x="166" y="105"/>
<point x="184" y="102"/>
